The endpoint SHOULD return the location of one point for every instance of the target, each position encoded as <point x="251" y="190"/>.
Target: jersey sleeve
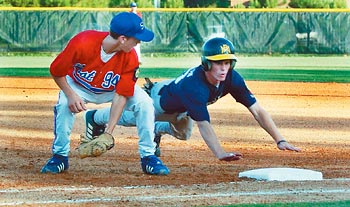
<point x="239" y="90"/>
<point x="63" y="63"/>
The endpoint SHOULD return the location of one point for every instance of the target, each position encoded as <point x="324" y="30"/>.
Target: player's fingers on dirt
<point x="238" y="154"/>
<point x="292" y="148"/>
<point x="287" y="146"/>
<point x="232" y="157"/>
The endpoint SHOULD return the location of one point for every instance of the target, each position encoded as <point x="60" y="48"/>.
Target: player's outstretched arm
<point x="266" y="122"/>
<point x="117" y="107"/>
<point x="212" y="142"/>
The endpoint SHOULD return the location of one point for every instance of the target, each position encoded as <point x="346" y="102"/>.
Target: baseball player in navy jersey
<point x="179" y="102"/>
<point x="101" y="67"/>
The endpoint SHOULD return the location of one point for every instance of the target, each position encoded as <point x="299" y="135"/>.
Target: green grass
<point x="24" y="72"/>
<point x="315" y="204"/>
<point x="263" y="68"/>
<point x="297" y="75"/>
<point x="244" y="62"/>
<point x="287" y="75"/>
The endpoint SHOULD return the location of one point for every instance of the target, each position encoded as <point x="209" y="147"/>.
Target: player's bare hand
<point x="284" y="145"/>
<point x="231" y="156"/>
<point x="76" y="104"/>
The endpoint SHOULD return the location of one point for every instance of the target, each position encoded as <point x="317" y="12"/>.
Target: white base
<point x="282" y="174"/>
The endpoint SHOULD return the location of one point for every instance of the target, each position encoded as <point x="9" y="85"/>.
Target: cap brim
<point x="222" y="57"/>
<point x="145" y="36"/>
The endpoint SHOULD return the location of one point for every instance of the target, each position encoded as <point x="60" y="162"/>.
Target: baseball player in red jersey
<point x="101" y="67"/>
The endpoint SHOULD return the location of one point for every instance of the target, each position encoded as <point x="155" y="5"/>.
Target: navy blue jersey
<point x="192" y="92"/>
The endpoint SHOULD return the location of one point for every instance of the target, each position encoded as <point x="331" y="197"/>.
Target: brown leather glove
<point x="96" y="147"/>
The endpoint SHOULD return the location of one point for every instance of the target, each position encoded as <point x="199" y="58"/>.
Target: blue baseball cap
<point x="130" y="25"/>
<point x="133" y="4"/>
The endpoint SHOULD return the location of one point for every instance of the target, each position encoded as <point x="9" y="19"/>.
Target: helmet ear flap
<point x="233" y="64"/>
<point x="206" y="64"/>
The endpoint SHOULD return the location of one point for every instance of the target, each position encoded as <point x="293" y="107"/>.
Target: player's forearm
<point x="117" y="107"/>
<point x="63" y="85"/>
<point x="210" y="138"/>
<point x="266" y="122"/>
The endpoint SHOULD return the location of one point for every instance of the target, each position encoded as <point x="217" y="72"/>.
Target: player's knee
<point x="147" y="105"/>
<point x="183" y="137"/>
<point x="183" y="134"/>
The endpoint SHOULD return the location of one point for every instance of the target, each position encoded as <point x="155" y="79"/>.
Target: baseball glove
<point x="96" y="147"/>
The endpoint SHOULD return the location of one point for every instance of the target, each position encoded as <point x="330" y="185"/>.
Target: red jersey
<point x="81" y="60"/>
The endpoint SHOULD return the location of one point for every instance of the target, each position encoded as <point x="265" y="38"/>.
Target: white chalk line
<point x="92" y="188"/>
<point x="207" y="195"/>
<point x="147" y="198"/>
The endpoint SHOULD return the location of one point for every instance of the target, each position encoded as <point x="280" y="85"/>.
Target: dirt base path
<point x="312" y="116"/>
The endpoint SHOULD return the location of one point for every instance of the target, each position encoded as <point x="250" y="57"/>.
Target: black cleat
<point x="157" y="139"/>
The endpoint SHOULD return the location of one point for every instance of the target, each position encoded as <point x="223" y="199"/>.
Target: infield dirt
<point x="312" y="116"/>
